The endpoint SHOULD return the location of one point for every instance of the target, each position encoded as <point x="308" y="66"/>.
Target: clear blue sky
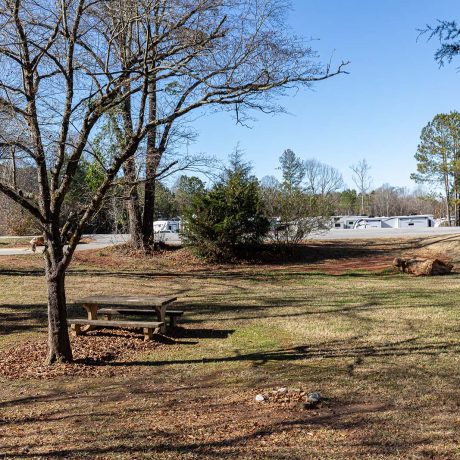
<point x="377" y="112"/>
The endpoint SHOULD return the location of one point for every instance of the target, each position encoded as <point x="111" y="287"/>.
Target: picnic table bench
<point x="149" y="327"/>
<point x="108" y="312"/>
<point x="138" y="305"/>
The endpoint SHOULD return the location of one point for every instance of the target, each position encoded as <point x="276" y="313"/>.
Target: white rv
<point x="345" y="221"/>
<point x="166" y="226"/>
<point x="421" y="221"/>
<point x="167" y="232"/>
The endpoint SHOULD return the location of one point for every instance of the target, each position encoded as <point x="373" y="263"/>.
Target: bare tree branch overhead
<point x="65" y="66"/>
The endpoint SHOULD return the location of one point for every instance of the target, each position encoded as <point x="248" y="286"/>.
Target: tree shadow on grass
<point x="345" y="349"/>
<point x="22" y="318"/>
<point x="200" y="333"/>
<point x="360" y="422"/>
<point x="16" y="318"/>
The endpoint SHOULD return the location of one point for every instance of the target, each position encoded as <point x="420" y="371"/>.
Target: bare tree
<point x="362" y="180"/>
<point x="57" y="79"/>
<point x="322" y="179"/>
<point x="222" y="55"/>
<point x="388" y="200"/>
<point x="66" y="64"/>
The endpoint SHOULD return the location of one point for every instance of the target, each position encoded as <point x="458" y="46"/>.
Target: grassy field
<point x="381" y="347"/>
<point x="6" y="242"/>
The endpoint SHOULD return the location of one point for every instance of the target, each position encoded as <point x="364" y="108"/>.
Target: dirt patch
<point x="333" y="258"/>
<point x="186" y="421"/>
<point x="123" y="256"/>
<point x="380" y="263"/>
<point x="92" y="354"/>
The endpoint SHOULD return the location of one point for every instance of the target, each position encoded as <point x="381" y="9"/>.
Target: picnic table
<point x="109" y="304"/>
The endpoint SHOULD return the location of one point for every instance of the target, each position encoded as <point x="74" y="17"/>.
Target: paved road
<point x="98" y="242"/>
<point x="103" y="241"/>
<point x="371" y="233"/>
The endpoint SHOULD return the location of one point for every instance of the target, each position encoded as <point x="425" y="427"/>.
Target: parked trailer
<point x="419" y="221"/>
<point x="345" y="221"/>
<point x="172" y="226"/>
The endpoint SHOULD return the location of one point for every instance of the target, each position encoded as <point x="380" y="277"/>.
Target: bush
<point x="225" y="220"/>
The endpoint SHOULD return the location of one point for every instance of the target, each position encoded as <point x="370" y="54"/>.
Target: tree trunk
<point x="456" y="206"/>
<point x="59" y="349"/>
<point x="135" y="221"/>
<point x="151" y="164"/>
<point x="448" y="211"/>
<point x="149" y="216"/>
<point x="456" y="210"/>
<point x="447" y="192"/>
<point x="134" y="207"/>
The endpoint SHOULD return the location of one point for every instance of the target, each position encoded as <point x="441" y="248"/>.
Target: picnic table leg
<point x="161" y="314"/>
<point x="148" y="333"/>
<point x="92" y="314"/>
<point x="76" y="329"/>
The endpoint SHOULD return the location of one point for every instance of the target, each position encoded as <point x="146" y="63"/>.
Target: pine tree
<point x="438" y="159"/>
<point x="228" y="218"/>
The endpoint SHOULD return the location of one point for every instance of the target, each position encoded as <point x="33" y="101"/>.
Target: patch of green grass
<point x="258" y="338"/>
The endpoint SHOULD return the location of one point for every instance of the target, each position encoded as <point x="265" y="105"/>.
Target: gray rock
<point x="314" y="398"/>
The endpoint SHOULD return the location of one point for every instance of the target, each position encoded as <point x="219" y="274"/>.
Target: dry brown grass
<point x="20" y="242"/>
<point x="383" y="348"/>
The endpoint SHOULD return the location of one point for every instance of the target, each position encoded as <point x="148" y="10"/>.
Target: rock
<point x="260" y="398"/>
<point x="282" y="390"/>
<point x="314" y="398"/>
<point x="423" y="267"/>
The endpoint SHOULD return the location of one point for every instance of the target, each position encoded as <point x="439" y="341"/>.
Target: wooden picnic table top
<point x="127" y="301"/>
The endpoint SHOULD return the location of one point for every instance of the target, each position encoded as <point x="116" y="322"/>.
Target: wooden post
<point x="148" y="333"/>
<point x="76" y="329"/>
<point x="92" y="314"/>
<point x="161" y="313"/>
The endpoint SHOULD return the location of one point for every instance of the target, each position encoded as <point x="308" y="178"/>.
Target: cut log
<point x="423" y="267"/>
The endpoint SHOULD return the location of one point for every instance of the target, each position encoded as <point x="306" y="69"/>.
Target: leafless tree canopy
<point x="362" y="179"/>
<point x="65" y="64"/>
<point x="322" y="179"/>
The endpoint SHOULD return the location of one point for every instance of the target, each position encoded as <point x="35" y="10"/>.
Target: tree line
<point x="306" y="188"/>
